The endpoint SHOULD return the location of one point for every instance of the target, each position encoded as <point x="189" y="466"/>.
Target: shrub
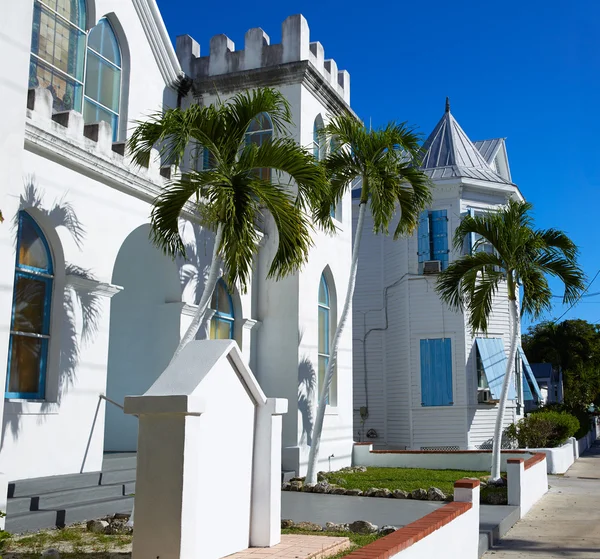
<point x="580" y="413"/>
<point x="543" y="429"/>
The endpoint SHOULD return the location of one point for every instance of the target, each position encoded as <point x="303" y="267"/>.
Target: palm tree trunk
<point x="311" y="476"/>
<point x="510" y="365"/>
<point x="211" y="282"/>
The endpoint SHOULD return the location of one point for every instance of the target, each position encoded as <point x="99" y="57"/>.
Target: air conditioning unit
<point x="432" y="267"/>
<point x="484" y="396"/>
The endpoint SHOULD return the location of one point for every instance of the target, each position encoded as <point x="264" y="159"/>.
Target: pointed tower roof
<point x="449" y="153"/>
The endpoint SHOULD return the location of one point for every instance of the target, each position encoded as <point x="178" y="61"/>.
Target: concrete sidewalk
<point x="565" y="522"/>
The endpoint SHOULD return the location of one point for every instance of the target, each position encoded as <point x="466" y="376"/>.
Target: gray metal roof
<point x="489" y="148"/>
<point x="458" y="171"/>
<point x="449" y="153"/>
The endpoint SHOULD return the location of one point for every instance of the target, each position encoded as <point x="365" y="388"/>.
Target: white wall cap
<point x="277" y="406"/>
<point x="197" y="359"/>
<point x="151" y="405"/>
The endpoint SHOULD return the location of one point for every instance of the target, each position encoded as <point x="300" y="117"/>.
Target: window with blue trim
<point x="82" y="70"/>
<point x="103" y="77"/>
<point x="324" y="349"/>
<point x="433" y="238"/>
<point x="30" y="321"/>
<point x="58" y="42"/>
<point x="436" y="372"/>
<point x="259" y="132"/>
<point x="221" y="324"/>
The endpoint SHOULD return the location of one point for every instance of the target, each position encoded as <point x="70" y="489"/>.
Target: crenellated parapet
<point x="258" y="53"/>
<point x="66" y="135"/>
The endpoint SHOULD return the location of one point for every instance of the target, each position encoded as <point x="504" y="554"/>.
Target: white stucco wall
<point x="527" y="483"/>
<point x="67" y="428"/>
<point x="142" y="309"/>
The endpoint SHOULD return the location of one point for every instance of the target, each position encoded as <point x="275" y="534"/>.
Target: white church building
<point x="90" y="310"/>
<point x="422" y="379"/>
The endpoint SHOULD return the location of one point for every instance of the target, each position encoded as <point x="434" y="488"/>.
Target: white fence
<point x="527" y="481"/>
<point x="453" y="528"/>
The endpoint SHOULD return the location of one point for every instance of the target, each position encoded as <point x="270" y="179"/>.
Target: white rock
<point x="51" y="554"/>
<point x="97" y="526"/>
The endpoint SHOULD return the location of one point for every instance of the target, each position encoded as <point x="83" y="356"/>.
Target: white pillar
<point x="265" y="523"/>
<point x="168" y="450"/>
<point x="515" y="473"/>
<point x="468" y="491"/>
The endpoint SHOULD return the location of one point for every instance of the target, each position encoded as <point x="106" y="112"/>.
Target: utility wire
<point x="578" y="298"/>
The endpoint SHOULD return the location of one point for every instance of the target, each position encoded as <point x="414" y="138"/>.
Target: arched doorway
<point x="144" y="330"/>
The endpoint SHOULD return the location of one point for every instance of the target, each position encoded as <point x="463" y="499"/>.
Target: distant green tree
<point x="565" y="345"/>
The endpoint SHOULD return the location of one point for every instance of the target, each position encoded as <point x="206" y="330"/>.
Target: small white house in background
<point x="88" y="306"/>
<point x="422" y="380"/>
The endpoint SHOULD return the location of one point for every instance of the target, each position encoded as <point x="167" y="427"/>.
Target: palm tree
<point x="386" y="161"/>
<point x="244" y="181"/>
<point x="522" y="257"/>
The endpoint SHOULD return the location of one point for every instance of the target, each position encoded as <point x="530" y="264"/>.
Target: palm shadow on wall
<point x="307" y="391"/>
<point x="194" y="268"/>
<point x="75" y="302"/>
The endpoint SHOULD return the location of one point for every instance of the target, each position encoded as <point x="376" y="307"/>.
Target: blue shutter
<point x="493" y="359"/>
<point x="424" y="247"/>
<point x="530" y="380"/>
<point x="436" y="372"/>
<point x="439" y="226"/>
<point x="426" y="378"/>
<point x="448" y="394"/>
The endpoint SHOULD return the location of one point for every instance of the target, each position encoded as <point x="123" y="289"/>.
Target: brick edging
<point x="539" y="457"/>
<point x="444" y="451"/>
<point x="410" y="534"/>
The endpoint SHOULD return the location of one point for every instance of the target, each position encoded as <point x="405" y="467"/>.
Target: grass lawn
<point x="74" y="542"/>
<point x="406" y="479"/>
<point x="358" y="540"/>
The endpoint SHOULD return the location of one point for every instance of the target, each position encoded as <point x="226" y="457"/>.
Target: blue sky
<point x="526" y="70"/>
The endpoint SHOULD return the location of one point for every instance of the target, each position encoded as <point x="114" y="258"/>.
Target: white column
<point x="515" y="474"/>
<point x="265" y="523"/>
<point x="168" y="450"/>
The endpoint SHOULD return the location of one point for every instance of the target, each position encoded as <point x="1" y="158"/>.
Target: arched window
<point x="58" y="51"/>
<point x="325" y="326"/>
<point x="30" y="323"/>
<point x="318" y="142"/>
<point x="81" y="70"/>
<point x="103" y="77"/>
<point x="259" y="132"/>
<point x="221" y="325"/>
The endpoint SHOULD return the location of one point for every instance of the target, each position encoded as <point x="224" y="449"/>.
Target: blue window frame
<point x="433" y="237"/>
<point x="103" y="77"/>
<point x="259" y="132"/>
<point x="221" y="325"/>
<point x="57" y="60"/>
<point x="324" y="349"/>
<point x="436" y="372"/>
<point x="30" y="320"/>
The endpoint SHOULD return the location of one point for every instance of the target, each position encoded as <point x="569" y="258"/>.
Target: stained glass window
<point x="30" y="323"/>
<point x="221" y="324"/>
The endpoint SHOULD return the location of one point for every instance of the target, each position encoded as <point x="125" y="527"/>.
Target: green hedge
<point x="581" y="414"/>
<point x="543" y="429"/>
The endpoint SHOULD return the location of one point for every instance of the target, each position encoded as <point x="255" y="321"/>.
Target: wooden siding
<point x="481" y="423"/>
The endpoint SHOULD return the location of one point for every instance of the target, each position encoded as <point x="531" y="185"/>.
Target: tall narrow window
<point x="318" y="141"/>
<point x="103" y="77"/>
<point x="221" y="325"/>
<point x="433" y="238"/>
<point x="325" y="326"/>
<point x="30" y="323"/>
<point x="58" y="51"/>
<point x="259" y="132"/>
